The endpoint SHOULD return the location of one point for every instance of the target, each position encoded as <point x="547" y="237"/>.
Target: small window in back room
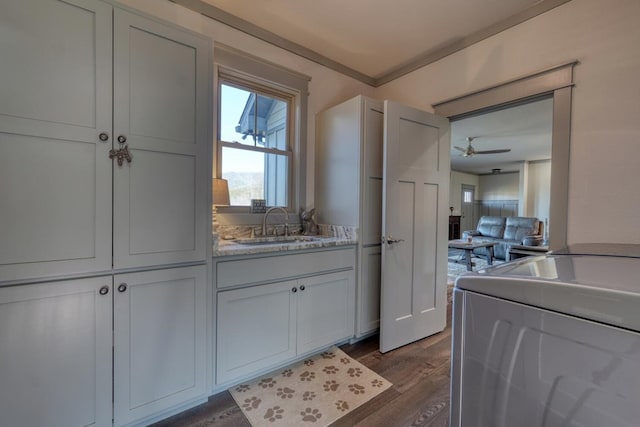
<point x="254" y="142"/>
<point x="467" y="195"/>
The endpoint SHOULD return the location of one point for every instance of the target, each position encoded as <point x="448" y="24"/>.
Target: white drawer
<point x="278" y="267"/>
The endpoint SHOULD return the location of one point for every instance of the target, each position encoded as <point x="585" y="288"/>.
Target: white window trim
<point x="234" y="63"/>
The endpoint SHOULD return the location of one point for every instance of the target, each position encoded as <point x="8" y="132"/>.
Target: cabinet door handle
<point x="294" y="289"/>
<point x="104" y="290"/>
<point x="104" y="136"/>
<point x="302" y="287"/>
<point x="390" y="240"/>
<point x="122" y="287"/>
<point x="122" y="139"/>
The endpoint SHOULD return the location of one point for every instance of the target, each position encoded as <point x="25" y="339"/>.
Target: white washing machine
<point x="549" y="341"/>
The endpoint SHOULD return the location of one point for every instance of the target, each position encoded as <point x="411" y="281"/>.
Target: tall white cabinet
<point x="348" y="186"/>
<point x="87" y="298"/>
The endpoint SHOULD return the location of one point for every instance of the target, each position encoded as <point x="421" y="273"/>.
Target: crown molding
<point x="420" y="61"/>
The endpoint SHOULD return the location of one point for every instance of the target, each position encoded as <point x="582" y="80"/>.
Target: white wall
<point x="539" y="189"/>
<point x="326" y="87"/>
<point x="604" y="36"/>
<point x="504" y="186"/>
<point x="455" y="188"/>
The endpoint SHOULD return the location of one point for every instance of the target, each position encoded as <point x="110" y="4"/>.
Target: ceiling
<point x="373" y="40"/>
<point x="525" y="129"/>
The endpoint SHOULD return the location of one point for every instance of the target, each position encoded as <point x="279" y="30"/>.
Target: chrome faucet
<point x="286" y="220"/>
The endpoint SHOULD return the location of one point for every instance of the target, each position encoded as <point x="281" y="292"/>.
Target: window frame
<point x="242" y="70"/>
<point x="231" y="79"/>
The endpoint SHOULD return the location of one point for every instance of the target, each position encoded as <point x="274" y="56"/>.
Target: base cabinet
<point x="63" y="345"/>
<point x="262" y="326"/>
<point x="159" y="341"/>
<point x="369" y="291"/>
<point x="256" y="329"/>
<point x="324" y="311"/>
<point x="55" y="354"/>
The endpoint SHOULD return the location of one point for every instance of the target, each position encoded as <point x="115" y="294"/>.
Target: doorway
<point x="555" y="83"/>
<point x="508" y="169"/>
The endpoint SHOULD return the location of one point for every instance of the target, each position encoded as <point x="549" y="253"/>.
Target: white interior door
<point x="415" y="216"/>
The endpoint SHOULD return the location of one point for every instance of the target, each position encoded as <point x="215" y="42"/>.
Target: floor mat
<point x="316" y="391"/>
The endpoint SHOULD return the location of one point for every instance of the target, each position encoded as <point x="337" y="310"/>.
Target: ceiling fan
<point x="470" y="151"/>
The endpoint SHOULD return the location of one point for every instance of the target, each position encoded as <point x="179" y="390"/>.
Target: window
<point x="467" y="196"/>
<point x="261" y="131"/>
<point x="254" y="145"/>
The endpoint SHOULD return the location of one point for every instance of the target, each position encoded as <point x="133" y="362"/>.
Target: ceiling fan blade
<point x="459" y="149"/>
<point x="504" y="150"/>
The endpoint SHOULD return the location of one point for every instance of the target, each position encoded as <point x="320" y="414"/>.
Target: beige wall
<point x="504" y="186"/>
<point x="326" y="87"/>
<point x="538" y="190"/>
<point x="604" y="36"/>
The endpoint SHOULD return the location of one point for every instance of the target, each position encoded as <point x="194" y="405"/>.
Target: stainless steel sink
<point x="270" y="240"/>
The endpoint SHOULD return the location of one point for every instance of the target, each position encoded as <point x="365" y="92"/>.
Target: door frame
<point x="555" y="82"/>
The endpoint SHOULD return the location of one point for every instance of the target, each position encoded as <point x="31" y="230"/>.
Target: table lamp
<point x="219" y="197"/>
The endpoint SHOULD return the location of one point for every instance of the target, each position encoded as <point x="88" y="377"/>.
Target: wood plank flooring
<point x="419" y="396"/>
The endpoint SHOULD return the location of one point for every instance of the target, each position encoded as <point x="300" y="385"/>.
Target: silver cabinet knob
<point x="294" y="289"/>
<point x="104" y="290"/>
<point x="122" y="139"/>
<point x="302" y="288"/>
<point x="122" y="287"/>
<point x="104" y="136"/>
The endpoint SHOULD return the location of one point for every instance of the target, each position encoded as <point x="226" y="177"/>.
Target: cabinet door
<point x="161" y="108"/>
<point x="159" y="341"/>
<point x="372" y="172"/>
<point x="256" y="329"/>
<point x="55" y="354"/>
<point x="325" y="310"/>
<point x="369" y="292"/>
<point x="54" y="169"/>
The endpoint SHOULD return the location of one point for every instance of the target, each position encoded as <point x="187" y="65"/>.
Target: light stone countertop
<point x="331" y="236"/>
<point x="229" y="247"/>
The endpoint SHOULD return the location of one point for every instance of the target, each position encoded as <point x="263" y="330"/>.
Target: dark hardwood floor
<point x="419" y="396"/>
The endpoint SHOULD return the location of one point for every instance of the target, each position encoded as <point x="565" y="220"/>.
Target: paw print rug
<point x="314" y="392"/>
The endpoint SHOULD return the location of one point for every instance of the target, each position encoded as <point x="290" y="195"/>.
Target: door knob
<point x="390" y="240"/>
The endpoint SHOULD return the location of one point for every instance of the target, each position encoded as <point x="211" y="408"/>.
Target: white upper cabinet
<point x="161" y="93"/>
<point x="77" y="77"/>
<point x="55" y="173"/>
